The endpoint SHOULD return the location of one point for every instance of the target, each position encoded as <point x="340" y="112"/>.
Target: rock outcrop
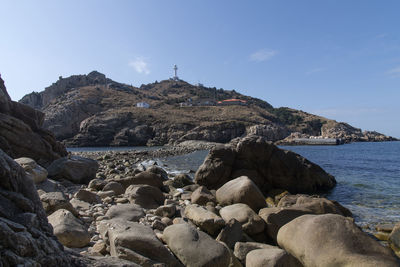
<point x="26" y="238"/>
<point x="265" y="164"/>
<point x="21" y="132"/>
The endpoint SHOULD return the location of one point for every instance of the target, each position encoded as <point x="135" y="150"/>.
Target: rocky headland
<point x="92" y="110"/>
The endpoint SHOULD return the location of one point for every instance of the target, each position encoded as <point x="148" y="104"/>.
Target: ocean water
<point x="367" y="174"/>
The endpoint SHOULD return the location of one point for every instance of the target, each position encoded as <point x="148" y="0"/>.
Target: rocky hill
<point x="92" y="110"/>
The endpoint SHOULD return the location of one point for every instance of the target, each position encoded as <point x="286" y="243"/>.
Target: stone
<point x="48" y="186"/>
<point x="146" y="178"/>
<point x="114" y="186"/>
<point x="202" y="195"/>
<point x="97" y="184"/>
<point x="231" y="233"/>
<point x="268" y="166"/>
<point x="394" y="238"/>
<point x="106" y="194"/>
<point x="79" y="204"/>
<point x="195" y="248"/>
<point x="242" y="248"/>
<point x="35" y="171"/>
<point x="126" y="212"/>
<point x="179" y="181"/>
<point x="87" y="196"/>
<point x="26" y="238"/>
<point x="136" y="242"/>
<point x="76" y="169"/>
<point x="216" y="168"/>
<point x="271" y="257"/>
<point x="68" y="229"/>
<point x="241" y="190"/>
<point x="331" y="239"/>
<point x="252" y="224"/>
<point x="147" y="196"/>
<point x="100" y="247"/>
<point x="166" y="211"/>
<point x="206" y="220"/>
<point x="158" y="170"/>
<point x="53" y="201"/>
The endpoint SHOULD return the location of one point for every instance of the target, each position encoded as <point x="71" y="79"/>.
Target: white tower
<point x="176" y="73"/>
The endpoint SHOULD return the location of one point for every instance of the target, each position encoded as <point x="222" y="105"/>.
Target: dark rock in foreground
<point x="268" y="166"/>
<point x="21" y="132"/>
<point x="26" y="238"/>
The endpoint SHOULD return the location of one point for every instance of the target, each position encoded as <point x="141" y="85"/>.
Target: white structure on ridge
<point x="175" y="73"/>
<point x="142" y="105"/>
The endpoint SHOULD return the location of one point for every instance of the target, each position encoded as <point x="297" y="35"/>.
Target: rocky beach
<point x="250" y="204"/>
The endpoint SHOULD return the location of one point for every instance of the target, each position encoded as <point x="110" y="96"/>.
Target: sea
<point x="367" y="175"/>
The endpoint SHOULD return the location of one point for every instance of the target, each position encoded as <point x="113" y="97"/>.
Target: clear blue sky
<point x="339" y="59"/>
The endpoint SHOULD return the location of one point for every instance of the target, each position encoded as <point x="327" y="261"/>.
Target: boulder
<point x="146" y="196"/>
<point x="206" y="220"/>
<point x="252" y="224"/>
<point x="146" y="177"/>
<point x="394" y="238"/>
<point x="271" y="257"/>
<point x="114" y="186"/>
<point x="241" y="190"/>
<point x="35" y="171"/>
<point x="126" y="212"/>
<point x="68" y="229"/>
<point x="76" y="169"/>
<point x="216" y="168"/>
<point x="22" y="134"/>
<point x="25" y="242"/>
<point x="231" y="233"/>
<point x="242" y="248"/>
<point x="195" y="248"/>
<point x="53" y="201"/>
<point x="97" y="184"/>
<point x="332" y="240"/>
<point x="179" y="181"/>
<point x="158" y="170"/>
<point x="268" y="166"/>
<point x="87" y="196"/>
<point x="202" y="196"/>
<point x="166" y="211"/>
<point x="135" y="242"/>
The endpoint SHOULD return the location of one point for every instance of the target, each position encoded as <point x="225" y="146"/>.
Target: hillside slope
<point x="92" y="110"/>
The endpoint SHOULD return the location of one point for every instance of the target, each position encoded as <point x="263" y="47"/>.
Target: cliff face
<point x="22" y="134"/>
<point x="91" y="110"/>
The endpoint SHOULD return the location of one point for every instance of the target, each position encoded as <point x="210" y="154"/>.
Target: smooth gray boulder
<point x="332" y="240"/>
<point x="146" y="196"/>
<point x="241" y="190"/>
<point x="252" y="224"/>
<point x="207" y="221"/>
<point x="53" y="201"/>
<point x="195" y="248"/>
<point x="69" y="230"/>
<point x="34" y="170"/>
<point x="135" y="242"/>
<point x="76" y="169"/>
<point x="202" y="196"/>
<point x="242" y="248"/>
<point x="126" y="212"/>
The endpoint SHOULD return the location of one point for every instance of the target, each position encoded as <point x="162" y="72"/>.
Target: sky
<point x="335" y="58"/>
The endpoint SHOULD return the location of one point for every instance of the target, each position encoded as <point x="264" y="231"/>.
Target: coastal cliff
<point x="92" y="110"/>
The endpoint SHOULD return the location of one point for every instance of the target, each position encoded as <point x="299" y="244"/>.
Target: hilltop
<point x="92" y="110"/>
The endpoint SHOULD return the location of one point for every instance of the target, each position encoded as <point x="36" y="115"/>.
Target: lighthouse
<point x="175" y="73"/>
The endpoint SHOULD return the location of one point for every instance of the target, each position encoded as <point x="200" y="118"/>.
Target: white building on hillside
<point x="143" y="105"/>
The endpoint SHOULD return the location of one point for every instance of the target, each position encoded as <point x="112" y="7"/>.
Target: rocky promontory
<point x="92" y="110"/>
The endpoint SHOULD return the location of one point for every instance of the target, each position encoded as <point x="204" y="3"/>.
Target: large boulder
<point x="241" y="190"/>
<point x="146" y="177"/>
<point x="394" y="238"/>
<point x="241" y="249"/>
<point x="217" y="167"/>
<point x="53" y="201"/>
<point x="146" y="196"/>
<point x="34" y="170"/>
<point x="267" y="165"/>
<point x="21" y="132"/>
<point x="126" y="212"/>
<point x="76" y="169"/>
<point x="252" y="224"/>
<point x="26" y="238"/>
<point x="332" y="240"/>
<point x="69" y="230"/>
<point x="195" y="248"/>
<point x="135" y="242"/>
<point x="206" y="220"/>
<point x="202" y="196"/>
